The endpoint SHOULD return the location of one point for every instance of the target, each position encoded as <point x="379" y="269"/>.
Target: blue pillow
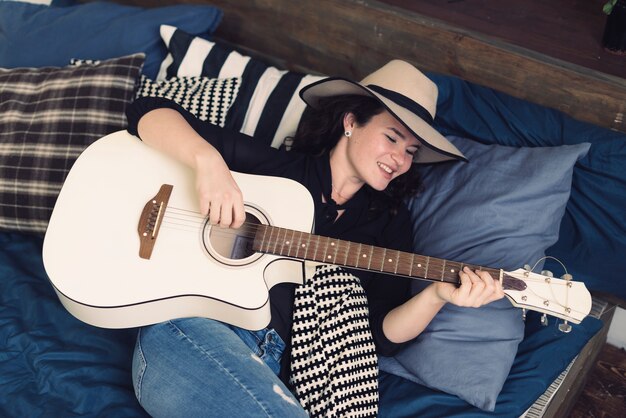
<point x="542" y="355"/>
<point x="36" y="36"/>
<point x="593" y="229"/>
<point x="502" y="209"/>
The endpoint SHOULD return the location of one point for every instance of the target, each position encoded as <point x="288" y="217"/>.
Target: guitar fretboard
<point x="306" y="246"/>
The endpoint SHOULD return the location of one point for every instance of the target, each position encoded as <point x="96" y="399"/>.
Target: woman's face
<point x="380" y="150"/>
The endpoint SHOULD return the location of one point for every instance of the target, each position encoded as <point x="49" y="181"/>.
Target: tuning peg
<point x="565" y="327"/>
<point x="567" y="277"/>
<point x="547" y="273"/>
<point x="544" y="320"/>
<point x="528" y="270"/>
<point x="523" y="314"/>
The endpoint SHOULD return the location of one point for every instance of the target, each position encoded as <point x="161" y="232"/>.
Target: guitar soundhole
<point x="233" y="246"/>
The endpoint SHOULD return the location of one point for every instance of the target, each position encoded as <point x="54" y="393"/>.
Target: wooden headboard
<point x="354" y="37"/>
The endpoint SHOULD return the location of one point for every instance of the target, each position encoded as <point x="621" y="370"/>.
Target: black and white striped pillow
<point x="48" y="116"/>
<point x="267" y="106"/>
<point x="209" y="99"/>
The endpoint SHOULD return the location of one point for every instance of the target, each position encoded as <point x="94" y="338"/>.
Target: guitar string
<point x="435" y="267"/>
<point x="195" y="220"/>
<point x="199" y="220"/>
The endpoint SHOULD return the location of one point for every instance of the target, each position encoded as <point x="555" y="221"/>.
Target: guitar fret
<point x="280" y="242"/>
<point x="272" y="240"/>
<point x="404" y="264"/>
<point x="277" y="241"/>
<point x="305" y="246"/>
<point x="283" y="240"/>
<point x="319" y="242"/>
<point x="384" y="259"/>
<point x="345" y="262"/>
<point x="269" y="239"/>
<point x="427" y="266"/>
<point x="453" y="270"/>
<point x="369" y="262"/>
<point x="358" y="255"/>
<point x="316" y="247"/>
<point x="328" y="251"/>
<point x="264" y="243"/>
<point x="420" y="265"/>
<point x="297" y="241"/>
<point x="395" y="270"/>
<point x="292" y="243"/>
<point x="326" y="255"/>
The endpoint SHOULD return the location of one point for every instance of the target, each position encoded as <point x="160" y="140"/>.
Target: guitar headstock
<point x="565" y="299"/>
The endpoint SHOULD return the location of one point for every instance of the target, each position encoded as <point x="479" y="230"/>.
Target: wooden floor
<point x="604" y="395"/>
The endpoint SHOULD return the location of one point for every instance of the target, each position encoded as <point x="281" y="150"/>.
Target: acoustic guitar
<point x="126" y="246"/>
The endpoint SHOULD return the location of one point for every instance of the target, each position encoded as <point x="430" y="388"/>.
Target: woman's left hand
<point x="477" y="288"/>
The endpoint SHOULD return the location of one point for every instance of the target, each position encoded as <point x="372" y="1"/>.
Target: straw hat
<point x="406" y="93"/>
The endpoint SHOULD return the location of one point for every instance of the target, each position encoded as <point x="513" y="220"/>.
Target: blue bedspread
<point x="55" y="366"/>
<point x="52" y="365"/>
<point x="541" y="356"/>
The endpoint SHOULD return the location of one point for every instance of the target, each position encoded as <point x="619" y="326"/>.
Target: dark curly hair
<point x="321" y="128"/>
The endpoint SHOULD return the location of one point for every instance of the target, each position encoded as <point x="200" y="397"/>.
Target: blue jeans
<point x="197" y="367"/>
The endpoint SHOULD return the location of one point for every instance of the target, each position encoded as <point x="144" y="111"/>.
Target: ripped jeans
<point x="197" y="367"/>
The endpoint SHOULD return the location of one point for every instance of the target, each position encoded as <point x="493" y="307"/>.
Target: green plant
<point x="608" y="6"/>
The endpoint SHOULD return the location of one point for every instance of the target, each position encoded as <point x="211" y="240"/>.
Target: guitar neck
<point x="305" y="246"/>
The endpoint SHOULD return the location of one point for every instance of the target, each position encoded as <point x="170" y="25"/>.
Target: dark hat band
<point x="403" y="101"/>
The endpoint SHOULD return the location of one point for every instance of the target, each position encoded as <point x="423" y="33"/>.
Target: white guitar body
<point x="91" y="247"/>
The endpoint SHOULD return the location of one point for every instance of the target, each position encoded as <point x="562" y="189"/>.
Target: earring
<point x="348" y="134"/>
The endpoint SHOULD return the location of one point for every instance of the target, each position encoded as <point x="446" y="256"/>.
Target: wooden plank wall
<point x="354" y="37"/>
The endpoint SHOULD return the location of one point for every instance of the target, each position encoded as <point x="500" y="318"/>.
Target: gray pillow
<point x="502" y="209"/>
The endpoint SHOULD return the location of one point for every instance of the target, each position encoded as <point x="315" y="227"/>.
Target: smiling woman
<point x="282" y="45"/>
<point x="353" y="151"/>
<point x="374" y="153"/>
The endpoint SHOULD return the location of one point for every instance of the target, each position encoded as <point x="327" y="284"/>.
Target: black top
<point x="358" y="223"/>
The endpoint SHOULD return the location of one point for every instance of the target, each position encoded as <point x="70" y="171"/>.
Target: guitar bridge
<point x="151" y="219"/>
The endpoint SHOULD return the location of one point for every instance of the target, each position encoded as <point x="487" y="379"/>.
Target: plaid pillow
<point x="206" y="98"/>
<point x="48" y="116"/>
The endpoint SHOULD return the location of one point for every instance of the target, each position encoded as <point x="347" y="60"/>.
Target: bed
<point x="549" y="185"/>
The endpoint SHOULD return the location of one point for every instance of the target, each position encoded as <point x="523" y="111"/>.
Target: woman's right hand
<point x="219" y="195"/>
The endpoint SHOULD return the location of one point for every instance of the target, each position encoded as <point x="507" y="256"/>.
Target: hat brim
<point x="435" y="147"/>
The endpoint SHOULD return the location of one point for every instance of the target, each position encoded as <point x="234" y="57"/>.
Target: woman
<point x="354" y="150"/>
